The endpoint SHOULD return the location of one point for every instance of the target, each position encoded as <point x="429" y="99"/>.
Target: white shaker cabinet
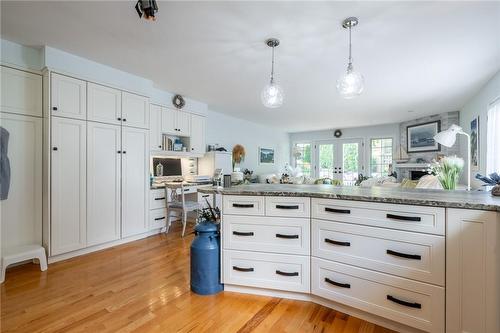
<point x="21" y="92"/>
<point x="135" y="110"/>
<point x="68" y="97"/>
<point x="103" y="183"/>
<point x="472" y="271"/>
<point x="155" y="135"/>
<point x="183" y="123"/>
<point x="104" y="104"/>
<point x="197" y="141"/>
<point x="68" y="156"/>
<point x="175" y="122"/>
<point x="135" y="182"/>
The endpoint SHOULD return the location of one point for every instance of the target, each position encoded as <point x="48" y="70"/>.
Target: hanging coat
<point x="4" y="164"/>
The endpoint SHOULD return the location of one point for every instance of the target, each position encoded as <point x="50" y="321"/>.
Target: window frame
<point x="294" y="161"/>
<point x="370" y="152"/>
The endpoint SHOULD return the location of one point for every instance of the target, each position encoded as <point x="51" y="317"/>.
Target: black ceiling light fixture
<point x="148" y="8"/>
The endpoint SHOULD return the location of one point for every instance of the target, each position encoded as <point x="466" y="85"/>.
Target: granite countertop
<point x="437" y="198"/>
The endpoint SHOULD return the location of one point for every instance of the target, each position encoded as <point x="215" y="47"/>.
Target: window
<point x="381" y="157"/>
<point x="302" y="157"/>
<point x="493" y="144"/>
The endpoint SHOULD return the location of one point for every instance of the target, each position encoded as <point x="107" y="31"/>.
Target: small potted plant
<point x="492" y="180"/>
<point x="447" y="170"/>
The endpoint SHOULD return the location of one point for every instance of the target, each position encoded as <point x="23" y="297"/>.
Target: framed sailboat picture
<point x="420" y="138"/>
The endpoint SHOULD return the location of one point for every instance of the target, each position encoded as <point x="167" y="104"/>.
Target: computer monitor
<point x="171" y="166"/>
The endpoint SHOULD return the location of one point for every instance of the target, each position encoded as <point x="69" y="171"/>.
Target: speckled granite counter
<point x="437" y="198"/>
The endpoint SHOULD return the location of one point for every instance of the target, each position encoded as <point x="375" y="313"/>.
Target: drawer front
<point x="412" y="303"/>
<point x="157" y="219"/>
<point x="243" y="205"/>
<point x="288" y="206"/>
<point x="267" y="270"/>
<point x="403" y="217"/>
<point x="157" y="199"/>
<point x="408" y="254"/>
<point x="269" y="234"/>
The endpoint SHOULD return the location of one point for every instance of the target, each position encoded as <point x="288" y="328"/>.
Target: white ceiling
<point x="425" y="57"/>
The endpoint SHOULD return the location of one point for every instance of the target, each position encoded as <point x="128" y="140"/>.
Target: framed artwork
<point x="266" y="155"/>
<point x="420" y="138"/>
<point x="474" y="144"/>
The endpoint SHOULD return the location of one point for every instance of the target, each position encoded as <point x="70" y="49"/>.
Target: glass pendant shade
<point x="272" y="95"/>
<point x="351" y="84"/>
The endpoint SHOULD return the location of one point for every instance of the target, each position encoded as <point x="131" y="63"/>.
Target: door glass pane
<point x="325" y="161"/>
<point x="302" y="154"/>
<point x="350" y="153"/>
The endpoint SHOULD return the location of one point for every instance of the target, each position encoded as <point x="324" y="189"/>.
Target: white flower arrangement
<point x="448" y="170"/>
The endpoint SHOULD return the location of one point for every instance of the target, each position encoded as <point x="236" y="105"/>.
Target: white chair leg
<point x="42" y="258"/>
<point x="184" y="222"/>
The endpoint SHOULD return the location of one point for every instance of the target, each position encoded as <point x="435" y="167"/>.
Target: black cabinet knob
<point x="119" y="119"/>
<point x="159" y="146"/>
<point x="124" y="119"/>
<point x="124" y="152"/>
<point x="54" y="148"/>
<point x="119" y="151"/>
<point x="54" y="108"/>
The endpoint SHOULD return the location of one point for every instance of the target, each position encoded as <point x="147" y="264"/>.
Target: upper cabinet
<point x="21" y="92"/>
<point x="175" y="122"/>
<point x="68" y="97"/>
<point x="197" y="141"/>
<point x="104" y="104"/>
<point x="183" y="123"/>
<point x="135" y="110"/>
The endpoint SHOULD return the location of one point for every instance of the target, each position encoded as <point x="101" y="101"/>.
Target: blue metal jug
<point x="205" y="260"/>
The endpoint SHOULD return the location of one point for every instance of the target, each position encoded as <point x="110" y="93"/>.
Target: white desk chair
<point x="177" y="203"/>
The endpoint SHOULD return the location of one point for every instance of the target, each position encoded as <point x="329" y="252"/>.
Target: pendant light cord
<point x="272" y="66"/>
<point x="350" y="47"/>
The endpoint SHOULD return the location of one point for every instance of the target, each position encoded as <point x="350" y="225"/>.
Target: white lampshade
<point x="448" y="137"/>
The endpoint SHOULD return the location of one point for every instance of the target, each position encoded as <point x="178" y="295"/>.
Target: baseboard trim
<point x="392" y="325"/>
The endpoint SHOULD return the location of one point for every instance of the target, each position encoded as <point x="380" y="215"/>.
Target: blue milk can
<point x="205" y="260"/>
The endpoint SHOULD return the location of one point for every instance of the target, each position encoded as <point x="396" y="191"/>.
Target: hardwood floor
<point x="144" y="287"/>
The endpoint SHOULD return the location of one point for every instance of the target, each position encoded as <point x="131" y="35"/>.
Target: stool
<point x="21" y="253"/>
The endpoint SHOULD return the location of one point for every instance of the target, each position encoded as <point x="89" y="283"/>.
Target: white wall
<point x="228" y="131"/>
<point x="478" y="106"/>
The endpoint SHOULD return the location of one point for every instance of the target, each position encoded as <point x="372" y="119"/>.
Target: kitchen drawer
<point x="403" y="217"/>
<point x="157" y="198"/>
<point x="263" y="233"/>
<point x="157" y="219"/>
<point x="408" y="254"/>
<point x="412" y="303"/>
<point x="243" y="205"/>
<point x="266" y="270"/>
<point x="288" y="206"/>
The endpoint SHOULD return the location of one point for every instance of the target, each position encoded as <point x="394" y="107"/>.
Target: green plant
<point x="448" y="171"/>
<point x="209" y="214"/>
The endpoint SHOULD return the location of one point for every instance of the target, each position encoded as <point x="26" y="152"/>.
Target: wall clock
<point x="178" y="101"/>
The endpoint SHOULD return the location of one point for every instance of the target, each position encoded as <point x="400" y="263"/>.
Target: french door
<point x="339" y="159"/>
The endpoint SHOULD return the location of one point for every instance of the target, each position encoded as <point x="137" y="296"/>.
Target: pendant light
<point x="351" y="84"/>
<point x="272" y="94"/>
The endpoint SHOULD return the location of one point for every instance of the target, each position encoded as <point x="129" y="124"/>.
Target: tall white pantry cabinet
<point x="99" y="164"/>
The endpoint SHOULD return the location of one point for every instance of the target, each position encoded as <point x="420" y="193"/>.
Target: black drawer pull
<point x="338" y="284"/>
<point x="163" y="198"/>
<point x="287" y="273"/>
<point x="404" y="218"/>
<point x="287" y="206"/>
<point x="242" y="269"/>
<point x="159" y="218"/>
<point x="335" y="210"/>
<point x="205" y="196"/>
<point x="404" y="255"/>
<point x="401" y="302"/>
<point x="334" y="242"/>
<point x="287" y="236"/>
<point x="236" y="205"/>
<point x="239" y="233"/>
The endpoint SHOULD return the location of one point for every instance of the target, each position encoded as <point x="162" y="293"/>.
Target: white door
<point x="21" y="212"/>
<point x="68" y="97"/>
<point x="168" y="121"/>
<point x="103" y="182"/>
<point x="197" y="140"/>
<point x="104" y="104"/>
<point x="155" y="137"/>
<point x="135" y="181"/>
<point x="135" y="110"/>
<point x="340" y="160"/>
<point x="183" y="122"/>
<point x="21" y="92"/>
<point x="68" y="179"/>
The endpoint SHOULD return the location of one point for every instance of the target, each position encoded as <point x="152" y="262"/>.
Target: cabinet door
<point x="103" y="183"/>
<point x="155" y="127"/>
<point x="68" y="97"/>
<point x="135" y="184"/>
<point x="197" y="140"/>
<point x="168" y="121"/>
<point x="472" y="271"/>
<point x="21" y="210"/>
<point x="68" y="208"/>
<point x="21" y="92"/>
<point x="135" y="110"/>
<point x="104" y="104"/>
<point x="183" y="122"/>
